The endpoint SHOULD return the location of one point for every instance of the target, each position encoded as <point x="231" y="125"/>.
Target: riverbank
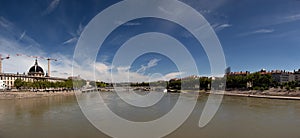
<point x="288" y="95"/>
<point x="24" y="95"/>
<point x="270" y="94"/>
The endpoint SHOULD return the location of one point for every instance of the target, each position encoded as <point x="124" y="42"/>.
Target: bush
<point x="256" y="88"/>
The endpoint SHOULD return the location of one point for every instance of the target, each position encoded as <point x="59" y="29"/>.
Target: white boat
<point x="165" y="90"/>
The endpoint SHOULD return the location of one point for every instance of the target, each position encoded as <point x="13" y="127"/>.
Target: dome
<point x="36" y="70"/>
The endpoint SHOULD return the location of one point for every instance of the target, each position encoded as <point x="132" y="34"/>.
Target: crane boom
<point x="1" y="61"/>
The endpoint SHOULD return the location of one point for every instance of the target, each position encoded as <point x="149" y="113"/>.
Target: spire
<point x="36" y="63"/>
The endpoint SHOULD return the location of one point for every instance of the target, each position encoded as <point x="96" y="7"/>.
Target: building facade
<point x="297" y="75"/>
<point x="241" y="73"/>
<point x="282" y="76"/>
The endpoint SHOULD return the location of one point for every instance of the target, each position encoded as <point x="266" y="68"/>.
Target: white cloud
<point x="291" y="18"/>
<point x="172" y="75"/>
<point x="52" y="6"/>
<point x="151" y="63"/>
<point x="272" y="19"/>
<point x="102" y="68"/>
<point x="123" y="69"/>
<point x="75" y="35"/>
<point x="71" y="40"/>
<point x="64" y="66"/>
<point x="282" y="18"/>
<point x="262" y="31"/>
<point x="4" y="23"/>
<point x="22" y="35"/>
<point x="127" y="23"/>
<point x="219" y="27"/>
<point x="259" y="31"/>
<point x="10" y="44"/>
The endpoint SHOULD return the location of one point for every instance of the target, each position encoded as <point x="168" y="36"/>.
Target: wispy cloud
<point x="293" y="17"/>
<point x="151" y="63"/>
<point x="128" y="23"/>
<point x="102" y="68"/>
<point x="259" y="31"/>
<point x="4" y="22"/>
<point x="52" y="6"/>
<point x="71" y="40"/>
<point x="263" y="31"/>
<point x="274" y="19"/>
<point x="15" y="63"/>
<point x="65" y="65"/>
<point x="11" y="32"/>
<point x="10" y="44"/>
<point x="173" y="75"/>
<point x="22" y="35"/>
<point x="75" y="35"/>
<point x="218" y="27"/>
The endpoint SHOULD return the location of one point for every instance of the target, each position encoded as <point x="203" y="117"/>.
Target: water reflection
<point x="140" y="114"/>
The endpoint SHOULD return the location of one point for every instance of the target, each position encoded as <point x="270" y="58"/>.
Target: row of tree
<point x="100" y="84"/>
<point x="254" y="81"/>
<point x="257" y="81"/>
<point x="68" y="84"/>
<point x="203" y="83"/>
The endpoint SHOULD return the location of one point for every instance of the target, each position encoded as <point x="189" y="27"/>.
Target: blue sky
<point x="254" y="34"/>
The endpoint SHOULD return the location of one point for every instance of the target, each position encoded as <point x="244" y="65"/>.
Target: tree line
<point x="100" y="84"/>
<point x="68" y="84"/>
<point x="253" y="81"/>
<point x="257" y="81"/>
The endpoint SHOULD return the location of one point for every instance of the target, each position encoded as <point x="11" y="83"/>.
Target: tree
<point x="101" y="84"/>
<point x="236" y="81"/>
<point x="18" y="83"/>
<point x="261" y="81"/>
<point x="78" y="83"/>
<point x="174" y="84"/>
<point x="205" y="82"/>
<point x="93" y="83"/>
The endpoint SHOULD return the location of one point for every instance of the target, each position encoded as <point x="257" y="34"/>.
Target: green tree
<point x="205" y="83"/>
<point x="93" y="83"/>
<point x="18" y="83"/>
<point x="261" y="81"/>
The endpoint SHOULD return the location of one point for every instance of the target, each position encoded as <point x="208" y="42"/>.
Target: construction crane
<point x="49" y="59"/>
<point x="36" y="57"/>
<point x="1" y="61"/>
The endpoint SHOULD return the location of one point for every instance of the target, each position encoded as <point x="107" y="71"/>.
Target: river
<point x="61" y="117"/>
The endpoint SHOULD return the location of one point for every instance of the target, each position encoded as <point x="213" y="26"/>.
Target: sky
<point x="254" y="35"/>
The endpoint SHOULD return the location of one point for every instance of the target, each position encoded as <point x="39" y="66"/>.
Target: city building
<point x="297" y="75"/>
<point x="282" y="76"/>
<point x="241" y="73"/>
<point x="35" y="73"/>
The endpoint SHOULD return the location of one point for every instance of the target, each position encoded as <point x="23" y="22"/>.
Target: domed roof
<point x="36" y="69"/>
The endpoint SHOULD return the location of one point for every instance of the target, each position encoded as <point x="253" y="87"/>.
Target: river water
<point x="61" y="117"/>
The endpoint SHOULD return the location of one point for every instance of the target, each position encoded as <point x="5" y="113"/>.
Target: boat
<point x="172" y="91"/>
